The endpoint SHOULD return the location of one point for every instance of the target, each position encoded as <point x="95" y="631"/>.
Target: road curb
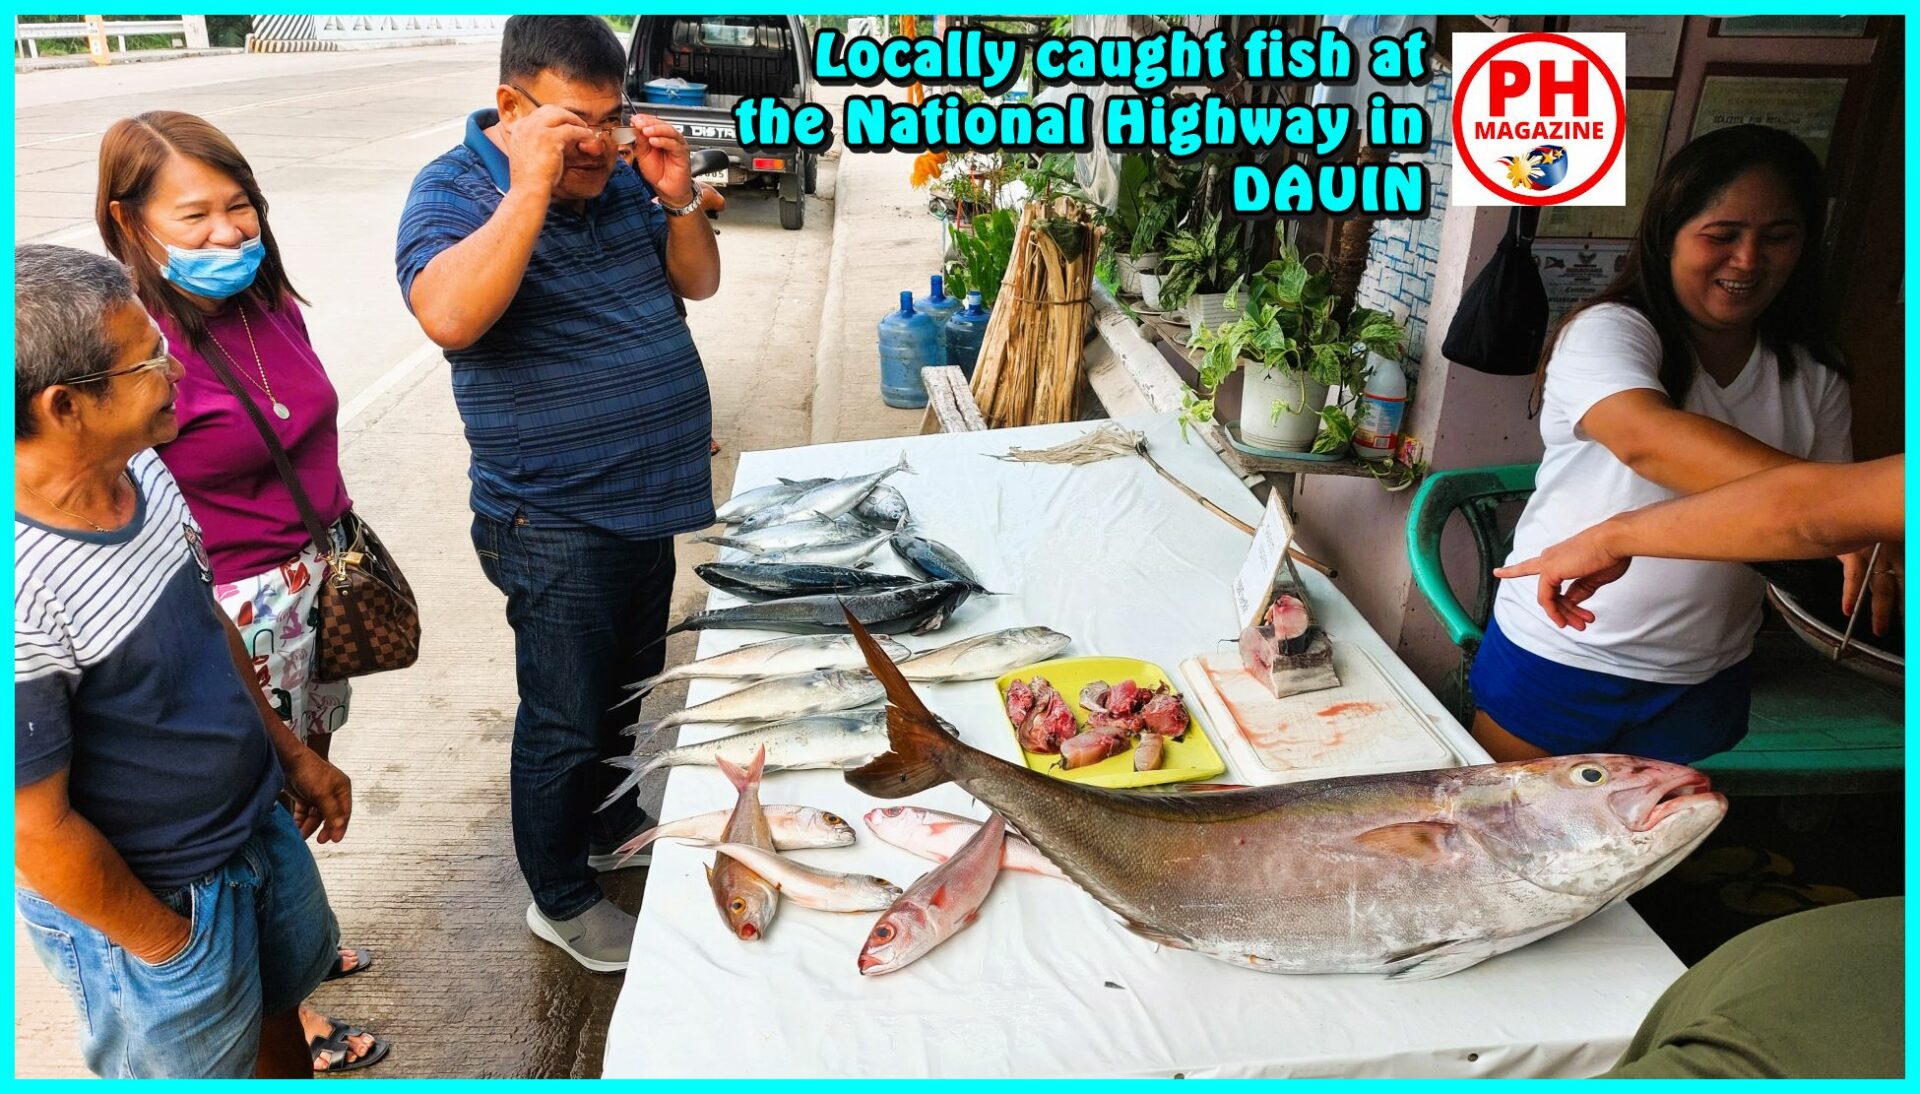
<point x="827" y="353"/>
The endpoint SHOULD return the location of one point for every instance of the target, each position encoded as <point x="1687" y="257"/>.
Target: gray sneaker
<point x="600" y="938"/>
<point x="604" y="859"/>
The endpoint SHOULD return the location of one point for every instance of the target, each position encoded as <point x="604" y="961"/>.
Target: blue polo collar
<point x="491" y="157"/>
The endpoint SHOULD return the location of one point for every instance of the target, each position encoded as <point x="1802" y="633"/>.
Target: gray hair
<point x="61" y="300"/>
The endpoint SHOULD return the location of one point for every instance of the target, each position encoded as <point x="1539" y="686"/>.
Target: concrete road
<point x="426" y="877"/>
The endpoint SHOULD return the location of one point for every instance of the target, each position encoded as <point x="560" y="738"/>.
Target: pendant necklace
<point x="279" y="408"/>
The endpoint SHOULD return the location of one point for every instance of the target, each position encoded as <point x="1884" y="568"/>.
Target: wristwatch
<point x="688" y="209"/>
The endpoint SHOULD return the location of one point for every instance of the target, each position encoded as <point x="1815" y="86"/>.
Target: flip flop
<point x="363" y="962"/>
<point x="334" y="1050"/>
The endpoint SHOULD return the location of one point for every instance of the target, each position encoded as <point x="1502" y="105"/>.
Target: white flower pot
<point x="1149" y="289"/>
<point x="1299" y="421"/>
<point x="1209" y="309"/>
<point x="1128" y="269"/>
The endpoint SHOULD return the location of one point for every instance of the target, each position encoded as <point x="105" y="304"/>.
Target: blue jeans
<point x="263" y="938"/>
<point x="585" y="608"/>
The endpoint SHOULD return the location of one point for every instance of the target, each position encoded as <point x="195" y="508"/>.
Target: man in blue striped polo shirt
<point x="547" y="267"/>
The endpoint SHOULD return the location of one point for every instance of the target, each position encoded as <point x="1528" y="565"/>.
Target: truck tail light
<point x="769" y="163"/>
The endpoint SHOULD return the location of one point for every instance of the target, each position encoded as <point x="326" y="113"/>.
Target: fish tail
<point x="637" y="769"/>
<point x="691" y="623"/>
<point x="644" y="732"/>
<point x="904" y="465"/>
<point x="742" y="780"/>
<point x="912" y="730"/>
<point x="640" y="690"/>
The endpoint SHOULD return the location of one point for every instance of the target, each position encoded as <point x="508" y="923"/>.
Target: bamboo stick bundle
<point x="1029" y="364"/>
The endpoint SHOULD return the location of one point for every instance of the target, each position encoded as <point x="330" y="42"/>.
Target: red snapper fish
<point x="1414" y="874"/>
<point x="940" y="905"/>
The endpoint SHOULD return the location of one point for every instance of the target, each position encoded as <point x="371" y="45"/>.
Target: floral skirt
<point x="278" y="616"/>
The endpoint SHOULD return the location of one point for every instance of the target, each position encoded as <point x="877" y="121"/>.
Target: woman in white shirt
<point x="1705" y="361"/>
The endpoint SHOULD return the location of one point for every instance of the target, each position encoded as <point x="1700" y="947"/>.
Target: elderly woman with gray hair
<point x="163" y="878"/>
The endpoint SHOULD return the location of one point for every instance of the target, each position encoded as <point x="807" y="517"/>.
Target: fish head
<point x="831" y="828"/>
<point x="1593" y="824"/>
<point x="899" y="936"/>
<point x="745" y="900"/>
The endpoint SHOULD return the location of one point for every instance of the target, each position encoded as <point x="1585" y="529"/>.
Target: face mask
<point x="215" y="272"/>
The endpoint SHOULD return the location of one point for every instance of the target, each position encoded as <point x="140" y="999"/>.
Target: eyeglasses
<point x="611" y="132"/>
<point x="151" y="364"/>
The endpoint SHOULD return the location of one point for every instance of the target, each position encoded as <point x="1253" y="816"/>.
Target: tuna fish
<point x="942" y="903"/>
<point x="933" y="558"/>
<point x="917" y="608"/>
<point x="886" y="507"/>
<point x="1413" y="874"/>
<point x="815" y="532"/>
<point x="828" y="500"/>
<point x="777" y="581"/>
<point x="741" y="506"/>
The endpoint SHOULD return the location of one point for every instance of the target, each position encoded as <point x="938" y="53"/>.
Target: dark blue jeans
<point x="585" y="607"/>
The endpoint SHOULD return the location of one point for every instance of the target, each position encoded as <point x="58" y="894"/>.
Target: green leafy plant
<point x="1199" y="260"/>
<point x="1286" y="323"/>
<point x="1155" y="195"/>
<point x="985" y="248"/>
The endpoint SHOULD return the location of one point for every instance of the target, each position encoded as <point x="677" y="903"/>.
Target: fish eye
<point x="1591" y="774"/>
<point x="737" y="906"/>
<point x="832" y="820"/>
<point x="883" y="933"/>
<point x="892" y="811"/>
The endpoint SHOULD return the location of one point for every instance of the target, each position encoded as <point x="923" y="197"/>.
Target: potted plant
<point x="1201" y="264"/>
<point x="1293" y="351"/>
<point x="1154" y="194"/>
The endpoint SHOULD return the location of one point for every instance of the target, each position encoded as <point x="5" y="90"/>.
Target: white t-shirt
<point x="1668" y="621"/>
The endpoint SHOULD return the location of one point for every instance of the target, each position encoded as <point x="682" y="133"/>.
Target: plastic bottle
<point x="964" y="333"/>
<point x="1376" y="427"/>
<point x="939" y="307"/>
<point x="909" y="342"/>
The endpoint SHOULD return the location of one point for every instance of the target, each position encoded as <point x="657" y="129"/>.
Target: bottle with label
<point x="1376" y="426"/>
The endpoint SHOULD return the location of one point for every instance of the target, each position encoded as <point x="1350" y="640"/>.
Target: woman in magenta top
<point x="178" y="204"/>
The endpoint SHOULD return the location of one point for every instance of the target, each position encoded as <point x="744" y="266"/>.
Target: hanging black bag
<point x="1502" y="320"/>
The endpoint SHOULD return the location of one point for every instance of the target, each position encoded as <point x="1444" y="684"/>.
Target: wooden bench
<point x="950" y="405"/>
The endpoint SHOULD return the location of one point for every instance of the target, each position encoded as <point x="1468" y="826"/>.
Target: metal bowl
<point x="1867" y="660"/>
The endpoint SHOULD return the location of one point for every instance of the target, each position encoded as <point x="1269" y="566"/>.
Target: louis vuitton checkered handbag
<point x="368" y="620"/>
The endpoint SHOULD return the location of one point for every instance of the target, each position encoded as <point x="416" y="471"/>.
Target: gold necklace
<point x="89" y="521"/>
<point x="279" y="408"/>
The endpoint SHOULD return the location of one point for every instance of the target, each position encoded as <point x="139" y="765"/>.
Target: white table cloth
<point x="1047" y="983"/>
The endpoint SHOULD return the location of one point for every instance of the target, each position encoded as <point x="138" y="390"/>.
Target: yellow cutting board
<point x="1191" y="757"/>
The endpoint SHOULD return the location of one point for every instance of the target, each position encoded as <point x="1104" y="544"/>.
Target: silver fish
<point x="935" y="835"/>
<point x="781" y="698"/>
<point x="829" y="500"/>
<point x="812" y="887"/>
<point x="794" y="827"/>
<point x="823" y="741"/>
<point x="800" y="533"/>
<point x="939" y="905"/>
<point x="1414" y="875"/>
<point x="985" y="656"/>
<point x="741" y="506"/>
<point x="775" y="657"/>
<point x="932" y="558"/>
<point x="829" y="554"/>
<point x="886" y="506"/>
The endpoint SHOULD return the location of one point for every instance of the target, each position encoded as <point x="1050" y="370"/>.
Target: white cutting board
<point x="1365" y="726"/>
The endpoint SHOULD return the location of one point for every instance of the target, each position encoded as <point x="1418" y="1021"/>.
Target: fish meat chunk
<point x="1086" y="749"/>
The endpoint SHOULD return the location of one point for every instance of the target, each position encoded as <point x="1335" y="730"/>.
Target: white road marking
<point x="426" y="354"/>
<point x="429" y="131"/>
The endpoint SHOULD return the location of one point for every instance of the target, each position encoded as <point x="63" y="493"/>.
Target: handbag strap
<point x="316" y="528"/>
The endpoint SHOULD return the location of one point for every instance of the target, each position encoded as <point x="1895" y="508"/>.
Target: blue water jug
<point x="964" y="333"/>
<point x="939" y="307"/>
<point x="909" y="342"/>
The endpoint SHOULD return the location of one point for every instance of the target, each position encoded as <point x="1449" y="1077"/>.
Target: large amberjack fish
<point x="1414" y="874"/>
<point x="747" y="901"/>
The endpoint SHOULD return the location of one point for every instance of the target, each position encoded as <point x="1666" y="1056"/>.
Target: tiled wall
<point x="1400" y="266"/>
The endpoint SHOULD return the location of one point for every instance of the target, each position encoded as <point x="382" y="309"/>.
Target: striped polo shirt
<point x="123" y="677"/>
<point x="586" y="403"/>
